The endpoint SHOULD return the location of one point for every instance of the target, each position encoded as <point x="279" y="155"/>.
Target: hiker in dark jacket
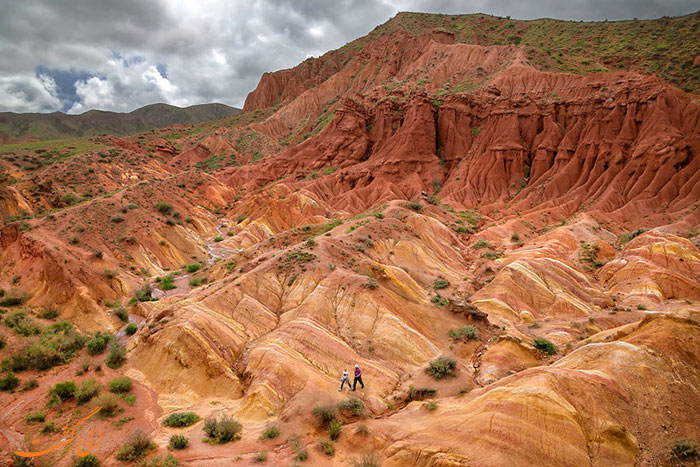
<point x="358" y="377"/>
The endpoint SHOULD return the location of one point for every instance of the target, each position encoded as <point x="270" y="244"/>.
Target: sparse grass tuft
<point x="442" y="367"/>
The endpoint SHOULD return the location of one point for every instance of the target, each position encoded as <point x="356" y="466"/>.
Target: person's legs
<point x="359" y="378"/>
<point x="342" y="383"/>
<point x="354" y="384"/>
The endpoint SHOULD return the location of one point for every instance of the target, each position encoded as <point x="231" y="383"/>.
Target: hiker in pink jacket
<point x="358" y="377"/>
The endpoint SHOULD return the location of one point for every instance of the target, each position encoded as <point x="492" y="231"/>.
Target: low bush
<point x="87" y="390"/>
<point x="684" y="449"/>
<point x="120" y="385"/>
<point x="121" y="313"/>
<point x="442" y="367"/>
<point x="222" y="431"/>
<point x="48" y="428"/>
<point x="440" y="283"/>
<point x="64" y="390"/>
<point x="325" y="414"/>
<point x="56" y="346"/>
<point x="136" y="446"/>
<point x="181" y="419"/>
<point x="131" y="329"/>
<point x="48" y="313"/>
<point x="482" y="244"/>
<point x="464" y="333"/>
<point x="195" y="282"/>
<point x="178" y="442"/>
<point x="3" y="342"/>
<point x="353" y="405"/>
<point x="368" y="459"/>
<point x="16" y="362"/>
<point x="14" y="297"/>
<point x="270" y="432"/>
<point x="22" y="324"/>
<point x="35" y="417"/>
<point x="164" y="208"/>
<point x="334" y="429"/>
<point x="415" y="206"/>
<point x="117" y="355"/>
<point x="108" y="405"/>
<point x="8" y="382"/>
<point x="326" y="447"/>
<point x="98" y="344"/>
<point x="418" y="394"/>
<point x="260" y="457"/>
<point x="29" y="385"/>
<point x="167" y="282"/>
<point x="431" y="406"/>
<point x="300" y="452"/>
<point x="362" y="430"/>
<point x="89" y="460"/>
<point x="194" y="267"/>
<point x="544" y="346"/>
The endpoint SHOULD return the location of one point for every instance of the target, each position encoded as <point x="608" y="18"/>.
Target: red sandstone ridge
<point x="422" y="192"/>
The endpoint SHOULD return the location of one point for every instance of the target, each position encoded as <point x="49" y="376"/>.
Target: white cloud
<point x="28" y="94"/>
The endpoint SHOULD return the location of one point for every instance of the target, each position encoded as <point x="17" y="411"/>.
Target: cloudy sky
<point x="77" y="55"/>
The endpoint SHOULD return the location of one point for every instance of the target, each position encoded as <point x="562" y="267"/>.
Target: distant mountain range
<point x="58" y="125"/>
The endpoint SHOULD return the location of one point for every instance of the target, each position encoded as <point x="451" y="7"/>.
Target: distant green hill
<point x="58" y="125"/>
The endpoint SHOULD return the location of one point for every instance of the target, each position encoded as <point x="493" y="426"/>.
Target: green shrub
<point x="325" y="414"/>
<point x="353" y="405"/>
<point x="22" y="324"/>
<point x="131" y="329"/>
<point x="326" y="447"/>
<point x="121" y="313"/>
<point x="136" y="446"/>
<point x="362" y="429"/>
<point x="128" y="398"/>
<point x="368" y="459"/>
<point x="178" y="442"/>
<point x="3" y="342"/>
<point x="415" y="206"/>
<point x="108" y="405"/>
<point x="64" y="390"/>
<point x="300" y="452"/>
<point x="120" y="385"/>
<point x="87" y="391"/>
<point x="164" y="208"/>
<point x="370" y="284"/>
<point x="48" y="428"/>
<point x="684" y="449"/>
<point x="159" y="461"/>
<point x="89" y="460"/>
<point x="194" y="267"/>
<point x="464" y="333"/>
<point x="182" y="419"/>
<point x="222" y="431"/>
<point x="271" y="432"/>
<point x="35" y="417"/>
<point x="16" y="362"/>
<point x="218" y="239"/>
<point x="9" y="382"/>
<point x="439" y="300"/>
<point x="166" y="283"/>
<point x="48" y="313"/>
<point x="440" y="283"/>
<point x="515" y="237"/>
<point x="98" y="344"/>
<point x="117" y="355"/>
<point x="260" y="457"/>
<point x="641" y="307"/>
<point x="334" y="429"/>
<point x="432" y="405"/>
<point x="442" y="367"/>
<point x="491" y="255"/>
<point x="14" y="297"/>
<point x="631" y="235"/>
<point x="56" y="346"/>
<point x="482" y="244"/>
<point x="29" y="385"/>
<point x="544" y="346"/>
<point x="195" y="281"/>
<point x="418" y="394"/>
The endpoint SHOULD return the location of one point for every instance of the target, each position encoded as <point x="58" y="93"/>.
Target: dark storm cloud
<point x="116" y="53"/>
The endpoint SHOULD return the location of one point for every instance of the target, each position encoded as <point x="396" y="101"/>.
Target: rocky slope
<point x="419" y="193"/>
